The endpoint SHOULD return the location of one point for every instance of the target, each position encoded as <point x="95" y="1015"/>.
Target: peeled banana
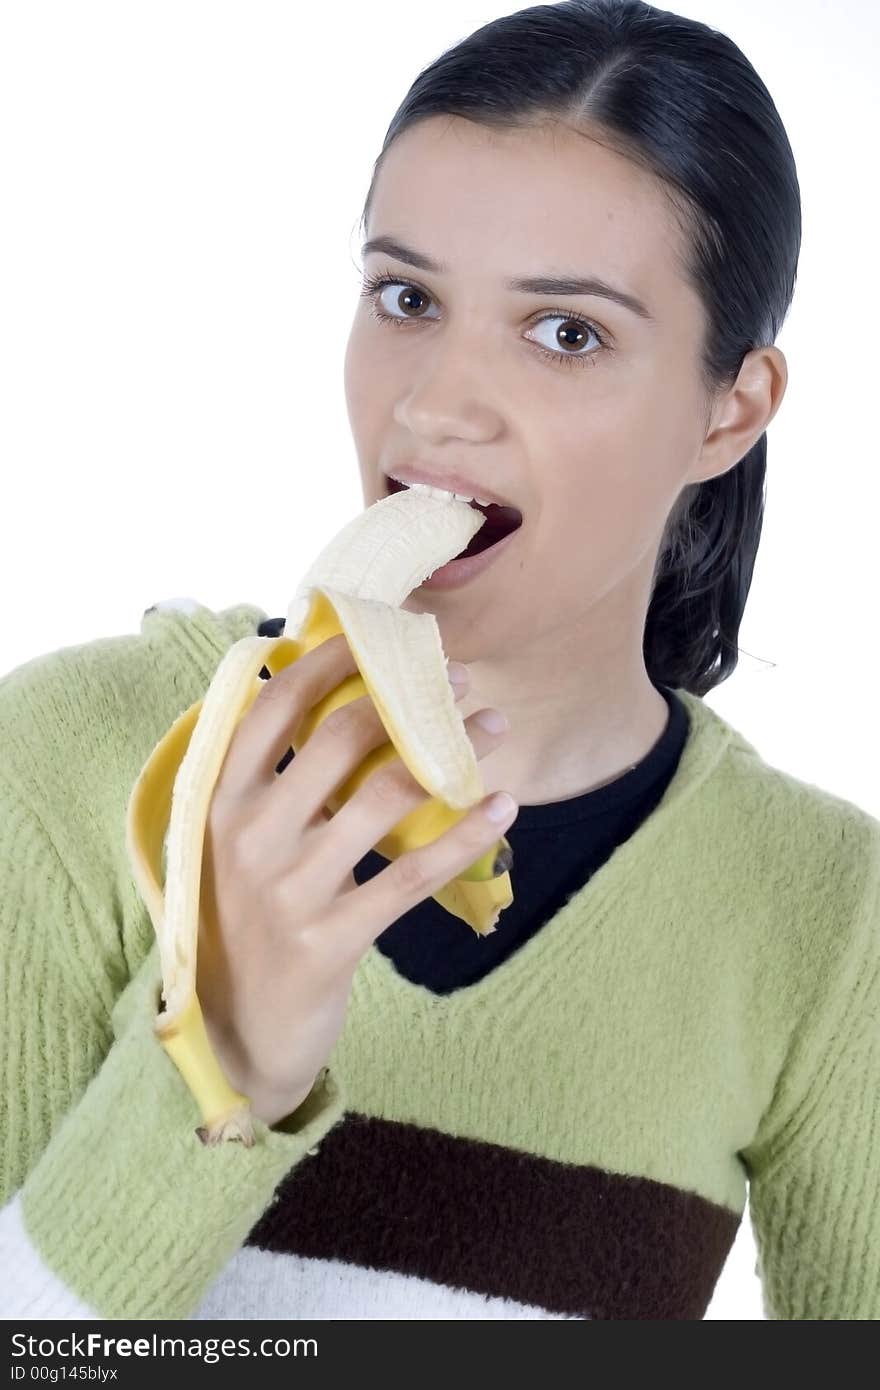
<point x="356" y="585"/>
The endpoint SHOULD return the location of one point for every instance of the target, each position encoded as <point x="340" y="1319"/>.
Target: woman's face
<point x="593" y="445"/>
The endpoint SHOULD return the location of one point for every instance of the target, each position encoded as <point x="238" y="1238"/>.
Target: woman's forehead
<point x="516" y="207"/>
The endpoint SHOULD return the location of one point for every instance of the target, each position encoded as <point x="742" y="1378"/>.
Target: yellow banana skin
<point x="225" y="1112"/>
<point x="167" y="809"/>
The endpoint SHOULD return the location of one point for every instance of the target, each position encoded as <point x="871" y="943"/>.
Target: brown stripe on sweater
<point x="569" y="1238"/>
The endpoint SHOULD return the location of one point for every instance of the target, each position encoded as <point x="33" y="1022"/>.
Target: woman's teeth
<point x="441" y="492"/>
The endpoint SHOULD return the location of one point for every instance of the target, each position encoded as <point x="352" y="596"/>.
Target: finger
<point x="374" y="733"/>
<point x="265" y="729"/>
<point x="458" y="674"/>
<point x="365" y="911"/>
<point x="333" y="752"/>
<point x="382" y="799"/>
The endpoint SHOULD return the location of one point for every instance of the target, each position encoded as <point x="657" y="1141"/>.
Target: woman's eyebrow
<point x="528" y="284"/>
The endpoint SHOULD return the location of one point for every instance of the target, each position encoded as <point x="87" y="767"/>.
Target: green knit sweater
<point x="576" y="1135"/>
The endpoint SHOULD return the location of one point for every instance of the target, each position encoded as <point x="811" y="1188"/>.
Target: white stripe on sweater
<point x="258" y="1284"/>
<point x="28" y="1287"/>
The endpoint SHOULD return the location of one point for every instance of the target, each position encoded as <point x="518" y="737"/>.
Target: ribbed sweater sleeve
<point x="814" y="1170"/>
<point x="111" y="1206"/>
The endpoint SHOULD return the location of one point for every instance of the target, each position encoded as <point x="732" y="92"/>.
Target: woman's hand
<point x="286" y="921"/>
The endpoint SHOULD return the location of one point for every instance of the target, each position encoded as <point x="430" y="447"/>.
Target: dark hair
<point x="681" y="100"/>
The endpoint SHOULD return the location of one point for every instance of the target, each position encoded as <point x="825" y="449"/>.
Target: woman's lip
<point x="457" y="572"/>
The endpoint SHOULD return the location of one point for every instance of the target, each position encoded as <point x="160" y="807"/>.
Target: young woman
<point x="581" y="241"/>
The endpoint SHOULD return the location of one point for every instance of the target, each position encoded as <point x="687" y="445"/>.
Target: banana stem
<point x="226" y="1112"/>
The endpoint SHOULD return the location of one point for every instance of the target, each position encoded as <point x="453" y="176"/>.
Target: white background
<point x="181" y="185"/>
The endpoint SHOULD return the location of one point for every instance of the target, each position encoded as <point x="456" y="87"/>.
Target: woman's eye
<point x="576" y="333"/>
<point x="409" y="299"/>
<point x="573" y="329"/>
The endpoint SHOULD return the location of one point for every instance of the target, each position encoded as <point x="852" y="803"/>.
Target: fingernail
<point x="500" y="806"/>
<point x="457" y="673"/>
<point x="492" y="720"/>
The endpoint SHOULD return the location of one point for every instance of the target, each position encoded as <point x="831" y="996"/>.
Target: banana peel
<point x="356" y="586"/>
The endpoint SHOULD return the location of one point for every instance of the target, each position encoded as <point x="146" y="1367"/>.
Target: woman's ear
<point x="742" y="414"/>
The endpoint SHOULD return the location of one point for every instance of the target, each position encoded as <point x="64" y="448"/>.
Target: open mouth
<point x="500" y="522"/>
